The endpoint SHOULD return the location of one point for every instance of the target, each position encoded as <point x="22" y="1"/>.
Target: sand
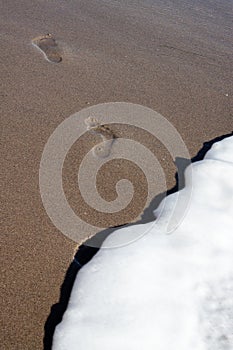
<point x="173" y="58"/>
<point x="48" y="45"/>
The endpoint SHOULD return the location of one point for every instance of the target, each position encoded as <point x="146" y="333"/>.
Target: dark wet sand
<point x="174" y="58"/>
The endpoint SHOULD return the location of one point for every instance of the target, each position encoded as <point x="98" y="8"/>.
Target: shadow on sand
<point x="86" y="252"/>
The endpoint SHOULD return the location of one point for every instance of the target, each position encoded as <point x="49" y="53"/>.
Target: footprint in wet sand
<point x="47" y="44"/>
<point x="103" y="149"/>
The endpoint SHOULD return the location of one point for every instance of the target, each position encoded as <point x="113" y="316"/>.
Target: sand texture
<point x="174" y="58"/>
<point x="47" y="44"/>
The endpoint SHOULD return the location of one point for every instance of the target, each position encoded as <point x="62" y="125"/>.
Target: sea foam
<point x="163" y="291"/>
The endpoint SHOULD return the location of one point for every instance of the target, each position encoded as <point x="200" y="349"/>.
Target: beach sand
<point x="173" y="58"/>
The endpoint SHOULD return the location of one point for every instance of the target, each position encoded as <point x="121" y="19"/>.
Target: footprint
<point x="47" y="44"/>
<point x="103" y="149"/>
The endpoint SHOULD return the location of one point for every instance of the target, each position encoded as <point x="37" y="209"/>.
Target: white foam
<point x="163" y="291"/>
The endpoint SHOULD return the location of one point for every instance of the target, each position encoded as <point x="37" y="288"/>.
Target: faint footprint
<point x="103" y="149"/>
<point x="47" y="44"/>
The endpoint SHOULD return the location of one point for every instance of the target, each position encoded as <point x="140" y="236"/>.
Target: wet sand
<point x="48" y="46"/>
<point x="173" y="58"/>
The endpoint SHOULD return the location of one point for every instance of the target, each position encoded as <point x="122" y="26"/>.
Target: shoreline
<point x="111" y="52"/>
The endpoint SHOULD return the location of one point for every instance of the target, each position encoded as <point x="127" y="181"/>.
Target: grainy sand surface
<point x="172" y="56"/>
